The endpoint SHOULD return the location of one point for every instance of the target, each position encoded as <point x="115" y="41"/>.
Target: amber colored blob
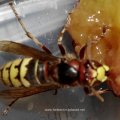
<point x="97" y="24"/>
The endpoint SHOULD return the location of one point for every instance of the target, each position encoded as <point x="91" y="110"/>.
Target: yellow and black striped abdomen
<point x="20" y="72"/>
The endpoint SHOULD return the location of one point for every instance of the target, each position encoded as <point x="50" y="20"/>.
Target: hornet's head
<point x="87" y="73"/>
<point x="90" y="72"/>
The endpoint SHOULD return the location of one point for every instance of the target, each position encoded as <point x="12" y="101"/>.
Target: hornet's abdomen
<point x="20" y="72"/>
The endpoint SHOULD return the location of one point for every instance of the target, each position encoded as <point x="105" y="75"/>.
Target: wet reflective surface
<point x="45" y="19"/>
<point x="96" y="23"/>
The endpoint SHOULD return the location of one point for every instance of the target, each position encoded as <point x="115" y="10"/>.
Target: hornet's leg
<point x="30" y="35"/>
<point x="64" y="53"/>
<point x="55" y="92"/>
<point x="92" y="92"/>
<point x="6" y="110"/>
<point x="100" y="92"/>
<point x="60" y="38"/>
<point x="60" y="45"/>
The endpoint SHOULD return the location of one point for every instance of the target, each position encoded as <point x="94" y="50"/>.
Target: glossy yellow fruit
<point x="97" y="24"/>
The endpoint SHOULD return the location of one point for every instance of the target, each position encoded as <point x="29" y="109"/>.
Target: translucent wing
<point x="20" y="49"/>
<point x="24" y="92"/>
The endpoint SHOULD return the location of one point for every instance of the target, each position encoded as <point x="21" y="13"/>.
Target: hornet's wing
<point x="20" y="49"/>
